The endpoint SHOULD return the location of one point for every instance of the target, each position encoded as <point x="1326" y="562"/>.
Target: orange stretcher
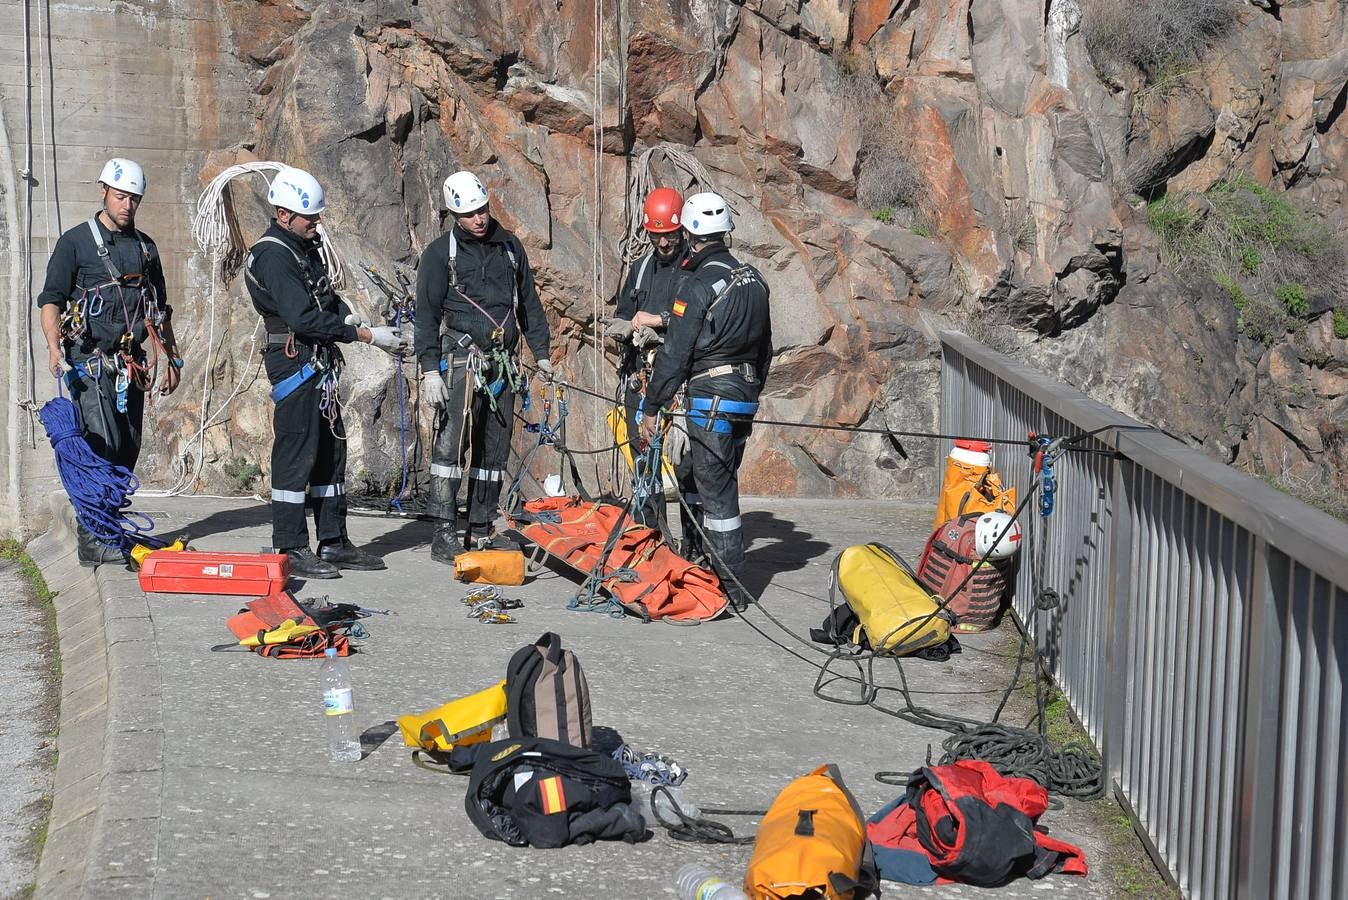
<point x="641" y="572"/>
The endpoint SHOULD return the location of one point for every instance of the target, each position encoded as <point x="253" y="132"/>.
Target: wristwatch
<point x="664" y="319"/>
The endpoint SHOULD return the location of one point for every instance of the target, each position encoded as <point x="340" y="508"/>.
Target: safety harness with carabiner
<point x="496" y="359"/>
<point x="325" y="361"/>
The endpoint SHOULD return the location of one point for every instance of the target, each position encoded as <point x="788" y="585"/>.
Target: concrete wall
<point x="152" y="80"/>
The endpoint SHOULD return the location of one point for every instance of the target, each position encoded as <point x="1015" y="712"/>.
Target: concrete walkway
<point x="188" y="773"/>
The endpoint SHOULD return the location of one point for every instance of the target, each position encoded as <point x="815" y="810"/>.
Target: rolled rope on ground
<point x="99" y="490"/>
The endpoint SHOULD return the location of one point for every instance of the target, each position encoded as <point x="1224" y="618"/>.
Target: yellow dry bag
<point x="467" y="720"/>
<point x="896" y="613"/>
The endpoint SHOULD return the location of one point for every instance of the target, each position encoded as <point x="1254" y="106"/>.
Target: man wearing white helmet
<point x="104" y="296"/>
<point x="305" y="320"/>
<point x="720" y="342"/>
<point x="475" y="299"/>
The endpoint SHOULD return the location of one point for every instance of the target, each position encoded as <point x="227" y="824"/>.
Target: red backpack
<point x="973" y="826"/>
<point x="948" y="560"/>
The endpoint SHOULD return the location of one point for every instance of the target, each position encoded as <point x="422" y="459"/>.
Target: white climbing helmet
<point x="464" y="193"/>
<point x="990" y="526"/>
<point x="706" y="213"/>
<point x="297" y="191"/>
<point x="123" y="175"/>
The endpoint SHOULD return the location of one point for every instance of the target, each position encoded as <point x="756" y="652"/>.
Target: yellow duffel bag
<point x="467" y="720"/>
<point x="896" y="614"/>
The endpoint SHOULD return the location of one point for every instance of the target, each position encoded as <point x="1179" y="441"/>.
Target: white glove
<point x="619" y="329"/>
<point x="676" y="441"/>
<point x="387" y="339"/>
<point x="546" y="370"/>
<point x="646" y="336"/>
<point x="434" y="390"/>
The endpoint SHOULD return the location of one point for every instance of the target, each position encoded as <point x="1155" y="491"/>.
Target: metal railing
<point x="1201" y="637"/>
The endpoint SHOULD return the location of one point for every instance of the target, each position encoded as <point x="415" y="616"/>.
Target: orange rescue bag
<point x="971" y="485"/>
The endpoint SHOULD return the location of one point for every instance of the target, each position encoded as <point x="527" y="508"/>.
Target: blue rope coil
<point x="99" y="491"/>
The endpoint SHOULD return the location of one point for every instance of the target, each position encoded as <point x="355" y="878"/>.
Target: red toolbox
<point x="206" y="572"/>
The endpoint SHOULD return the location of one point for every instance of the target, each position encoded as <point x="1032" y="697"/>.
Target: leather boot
<point x="304" y="563"/>
<point x="445" y="543"/>
<point x="92" y="552"/>
<point x="345" y="555"/>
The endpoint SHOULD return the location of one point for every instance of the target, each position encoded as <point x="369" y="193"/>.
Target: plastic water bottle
<point x="337" y="707"/>
<point x="696" y="882"/>
<point x="663" y="813"/>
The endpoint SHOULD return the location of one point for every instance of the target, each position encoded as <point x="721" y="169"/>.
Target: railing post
<point x="1258" y="753"/>
<point x="1119" y="618"/>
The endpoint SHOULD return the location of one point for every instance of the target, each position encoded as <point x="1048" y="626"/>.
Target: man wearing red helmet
<point x="644" y="309"/>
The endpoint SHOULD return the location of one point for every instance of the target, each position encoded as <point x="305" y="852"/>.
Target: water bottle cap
<point x="330" y="652"/>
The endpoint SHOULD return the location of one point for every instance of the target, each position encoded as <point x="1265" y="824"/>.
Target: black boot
<point x="345" y="555"/>
<point x="304" y="563"/>
<point x="92" y="552"/>
<point x="445" y="543"/>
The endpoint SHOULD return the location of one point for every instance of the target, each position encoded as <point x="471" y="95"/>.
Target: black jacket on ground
<point x="655" y="293"/>
<point x="531" y="791"/>
<point x="485" y="274"/>
<point x="738" y="330"/>
<point x="75" y="266"/>
<point x="277" y="285"/>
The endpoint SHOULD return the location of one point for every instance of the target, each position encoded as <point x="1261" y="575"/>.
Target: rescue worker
<point x="104" y="295"/>
<point x="642" y="315"/>
<point x="475" y="298"/>
<point x="720" y="342"/>
<point x="305" y="320"/>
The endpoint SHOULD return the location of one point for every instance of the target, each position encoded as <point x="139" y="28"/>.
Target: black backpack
<point x="542" y="793"/>
<point x="547" y="695"/>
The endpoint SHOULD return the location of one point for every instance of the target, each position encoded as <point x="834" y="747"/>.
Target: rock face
<point x="1026" y="224"/>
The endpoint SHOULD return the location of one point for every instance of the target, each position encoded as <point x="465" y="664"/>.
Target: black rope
<point x="700" y="830"/>
<point x="1070" y="771"/>
<point x="1068" y="443"/>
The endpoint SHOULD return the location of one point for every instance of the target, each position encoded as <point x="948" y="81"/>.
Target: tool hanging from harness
<point x="496" y="360"/>
<point x="326" y="360"/>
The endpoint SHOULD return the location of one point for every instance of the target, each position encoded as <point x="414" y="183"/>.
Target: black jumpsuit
<point x="720" y="320"/>
<point x="305" y="320"/>
<point x="649" y="288"/>
<point x="78" y="279"/>
<point x="490" y="303"/>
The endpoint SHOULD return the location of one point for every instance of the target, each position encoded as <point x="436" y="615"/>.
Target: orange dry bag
<point x="490" y="567"/>
<point x="971" y="485"/>
<point x="812" y="843"/>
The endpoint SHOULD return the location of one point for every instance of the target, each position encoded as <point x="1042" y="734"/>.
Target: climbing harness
<point x="325" y="361"/>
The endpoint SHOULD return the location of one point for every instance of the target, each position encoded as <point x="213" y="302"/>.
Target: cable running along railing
<point x="1200" y="636"/>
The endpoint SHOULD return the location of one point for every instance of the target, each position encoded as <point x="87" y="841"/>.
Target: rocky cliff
<point x="896" y="166"/>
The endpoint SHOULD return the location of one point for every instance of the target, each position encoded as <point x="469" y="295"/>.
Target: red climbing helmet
<point x="660" y="213"/>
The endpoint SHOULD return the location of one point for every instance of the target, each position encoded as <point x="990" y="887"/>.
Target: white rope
<point x="636" y="243"/>
<point x="596" y="255"/>
<point x="214" y="229"/>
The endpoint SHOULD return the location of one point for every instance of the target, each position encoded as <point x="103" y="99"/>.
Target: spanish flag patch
<point x="679" y="307"/>
<point x="554" y="798"/>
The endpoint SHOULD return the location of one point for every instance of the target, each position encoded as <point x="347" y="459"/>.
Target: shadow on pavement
<point x="248" y="516"/>
<point x="778" y="546"/>
<point x="372" y="738"/>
